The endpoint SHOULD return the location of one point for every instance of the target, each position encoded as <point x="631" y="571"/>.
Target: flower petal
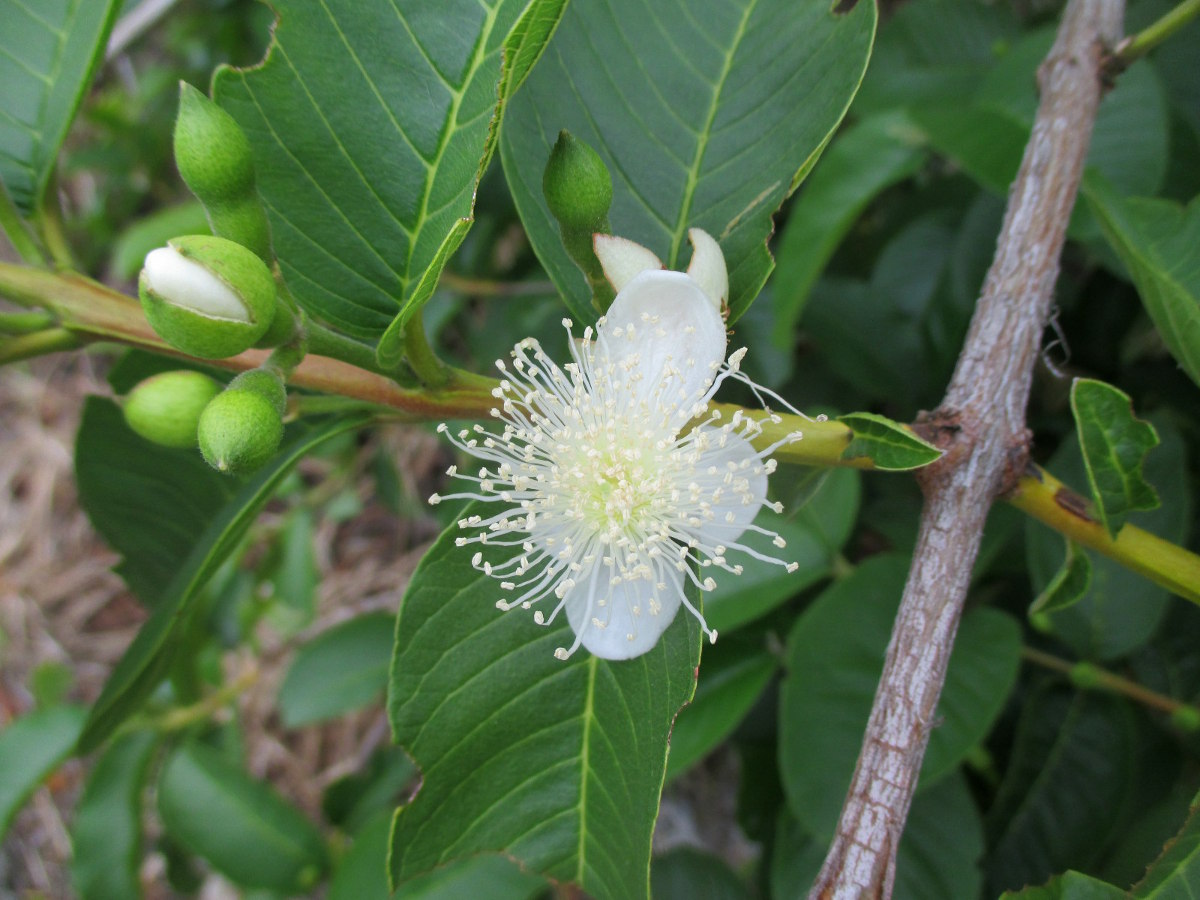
<point x="665" y="341"/>
<point x="622" y="259"/>
<point x="730" y="479"/>
<point x="185" y="282"/>
<point x="634" y="613"/>
<point x="707" y="267"/>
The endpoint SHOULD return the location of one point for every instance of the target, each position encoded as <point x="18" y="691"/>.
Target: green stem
<point x="1086" y="676"/>
<point x="429" y="369"/>
<point x="13" y="225"/>
<point x="1138" y="45"/>
<point x="484" y="287"/>
<point x="25" y="322"/>
<point x="177" y="719"/>
<point x="39" y="343"/>
<point x="320" y="404"/>
<point x="326" y="342"/>
<point x="1045" y="498"/>
<point x="55" y="239"/>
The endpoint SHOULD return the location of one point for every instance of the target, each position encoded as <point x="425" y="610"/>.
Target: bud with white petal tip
<point x="166" y="408"/>
<point x="207" y="296"/>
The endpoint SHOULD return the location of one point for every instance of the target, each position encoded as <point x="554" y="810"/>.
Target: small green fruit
<point x="239" y="431"/>
<point x="266" y="382"/>
<point x="207" y="296"/>
<point x="166" y="408"/>
<point x="577" y="185"/>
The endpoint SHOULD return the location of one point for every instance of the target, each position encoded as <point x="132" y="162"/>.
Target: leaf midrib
<point x="705" y="132"/>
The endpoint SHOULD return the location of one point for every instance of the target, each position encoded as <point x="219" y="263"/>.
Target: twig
<point x="981" y="426"/>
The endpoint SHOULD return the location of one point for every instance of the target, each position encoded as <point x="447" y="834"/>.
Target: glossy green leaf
<point x="371" y="123"/>
<point x="362" y="875"/>
<point x="1068" y="886"/>
<point x="942" y="844"/>
<point x="1176" y="873"/>
<point x="732" y="678"/>
<point x="707" y="114"/>
<point x="1159" y="243"/>
<point x="49" y="51"/>
<point x="31" y="747"/>
<point x="889" y="444"/>
<point x="937" y="858"/>
<point x="867" y="157"/>
<point x="557" y="764"/>
<point x="106" y="836"/>
<point x="341" y="669"/>
<point x="148" y="657"/>
<point x="150" y="503"/>
<point x="686" y="873"/>
<point x="1121" y="609"/>
<point x="835" y="657"/>
<point x="1063" y="791"/>
<point x="1068" y="586"/>
<point x="1114" y="444"/>
<point x="245" y="830"/>
<point x="814" y="534"/>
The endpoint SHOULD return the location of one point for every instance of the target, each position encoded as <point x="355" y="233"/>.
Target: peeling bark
<point x="981" y="425"/>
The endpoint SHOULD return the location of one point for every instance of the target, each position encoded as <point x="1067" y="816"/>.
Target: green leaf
<point x="1121" y="609"/>
<point x="342" y="669"/>
<point x="1176" y="873"/>
<point x="148" y="657"/>
<point x="814" y="535"/>
<point x="106" y="836"/>
<point x="557" y="764"/>
<point x="371" y="123"/>
<point x="1064" y="789"/>
<point x="1068" y="886"/>
<point x="31" y="747"/>
<point x="686" y="873"/>
<point x="1114" y="445"/>
<point x="835" y="657"/>
<point x="245" y="830"/>
<point x="150" y="503"/>
<point x="1068" y="586"/>
<point x="1159" y="243"/>
<point x="362" y="875"/>
<point x="731" y="680"/>
<point x="936" y="860"/>
<point x="890" y="445"/>
<point x="941" y="846"/>
<point x="707" y="114"/>
<point x="49" y="51"/>
<point x="867" y="157"/>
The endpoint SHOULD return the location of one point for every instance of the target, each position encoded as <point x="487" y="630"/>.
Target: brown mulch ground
<point x="61" y="604"/>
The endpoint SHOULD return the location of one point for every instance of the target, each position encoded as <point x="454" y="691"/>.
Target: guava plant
<point x="724" y="490"/>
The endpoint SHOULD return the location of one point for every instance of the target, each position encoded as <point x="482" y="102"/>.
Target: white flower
<point x="610" y="498"/>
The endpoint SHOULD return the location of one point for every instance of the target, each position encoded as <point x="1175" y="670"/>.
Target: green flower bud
<point x="166" y="408"/>
<point x="266" y="382"/>
<point x="577" y="186"/>
<point x="207" y="296"/>
<point x="211" y="151"/>
<point x="214" y="158"/>
<point x="239" y="431"/>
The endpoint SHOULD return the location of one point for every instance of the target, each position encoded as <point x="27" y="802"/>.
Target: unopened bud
<point x="239" y="431"/>
<point x="207" y="296"/>
<point x="166" y="408"/>
<point x="265" y="382"/>
<point x="577" y="186"/>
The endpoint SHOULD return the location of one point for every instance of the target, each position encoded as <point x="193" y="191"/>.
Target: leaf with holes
<point x="1114" y="444"/>
<point x="371" y="123"/>
<point x="48" y="52"/>
<point x="557" y="764"/>
<point x="708" y="114"/>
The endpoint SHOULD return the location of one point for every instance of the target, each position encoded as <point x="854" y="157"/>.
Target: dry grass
<point x="61" y="604"/>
